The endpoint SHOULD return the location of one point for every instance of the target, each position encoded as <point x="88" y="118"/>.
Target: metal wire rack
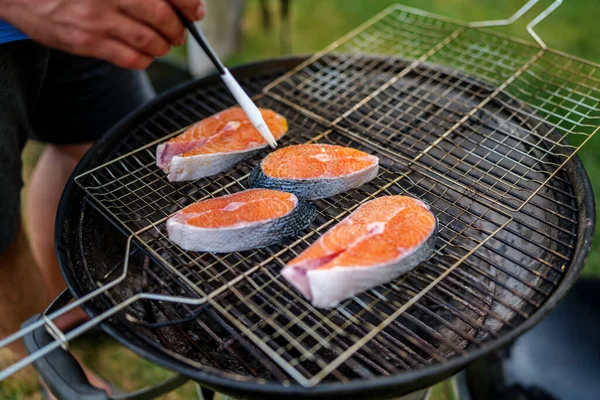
<point x="415" y="107"/>
<point x="557" y="113"/>
<point x="436" y="100"/>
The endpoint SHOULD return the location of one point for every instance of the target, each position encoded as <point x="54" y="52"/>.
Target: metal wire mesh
<point x="487" y="164"/>
<point x="557" y="113"/>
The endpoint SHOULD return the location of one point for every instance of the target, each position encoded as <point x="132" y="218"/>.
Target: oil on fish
<point x="315" y="171"/>
<point x="379" y="241"/>
<point x="216" y="144"/>
<point x="245" y="220"/>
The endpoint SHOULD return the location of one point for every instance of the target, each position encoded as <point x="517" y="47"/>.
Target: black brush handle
<point x="202" y="42"/>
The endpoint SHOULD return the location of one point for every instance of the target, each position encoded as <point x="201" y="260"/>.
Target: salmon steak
<point x="241" y="221"/>
<point x="216" y="144"/>
<point x="379" y="241"/>
<point x="314" y="171"/>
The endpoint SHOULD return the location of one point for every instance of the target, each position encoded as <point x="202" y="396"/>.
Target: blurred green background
<point x="573" y="28"/>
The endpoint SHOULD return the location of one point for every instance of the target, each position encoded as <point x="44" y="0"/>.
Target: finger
<point x="124" y="56"/>
<point x="158" y="15"/>
<point x="137" y="35"/>
<point x="201" y="12"/>
<point x="113" y="51"/>
<point x="191" y="9"/>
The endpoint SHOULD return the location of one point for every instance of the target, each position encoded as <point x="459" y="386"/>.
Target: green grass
<point x="573" y="28"/>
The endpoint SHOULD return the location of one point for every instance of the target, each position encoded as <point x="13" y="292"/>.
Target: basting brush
<point x="232" y="84"/>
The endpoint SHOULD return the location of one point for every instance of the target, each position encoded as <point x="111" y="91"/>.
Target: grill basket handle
<point x="59" y="369"/>
<point x="64" y="376"/>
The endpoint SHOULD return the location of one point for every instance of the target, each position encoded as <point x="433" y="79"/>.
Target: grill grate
<point x="558" y="114"/>
<point x="489" y="166"/>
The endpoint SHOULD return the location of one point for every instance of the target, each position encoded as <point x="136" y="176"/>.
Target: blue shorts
<point x="56" y="98"/>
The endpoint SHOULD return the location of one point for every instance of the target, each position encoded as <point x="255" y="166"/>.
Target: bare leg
<point x="46" y="186"/>
<point x="21" y="290"/>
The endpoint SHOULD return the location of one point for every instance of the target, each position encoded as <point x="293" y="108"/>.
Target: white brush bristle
<point x="249" y="107"/>
<point x="266" y="133"/>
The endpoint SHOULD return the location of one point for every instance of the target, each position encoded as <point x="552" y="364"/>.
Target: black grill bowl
<point x="90" y="248"/>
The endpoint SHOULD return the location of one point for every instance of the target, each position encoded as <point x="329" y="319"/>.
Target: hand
<point x="128" y="33"/>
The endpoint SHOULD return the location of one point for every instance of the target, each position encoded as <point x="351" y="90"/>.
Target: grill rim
<point x="73" y="199"/>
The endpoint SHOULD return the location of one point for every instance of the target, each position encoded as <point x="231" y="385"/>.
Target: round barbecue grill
<point x="465" y="127"/>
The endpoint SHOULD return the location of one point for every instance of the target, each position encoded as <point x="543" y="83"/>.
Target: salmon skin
<point x="379" y="241"/>
<point x="314" y="171"/>
<point x="216" y="144"/>
<point x="245" y="220"/>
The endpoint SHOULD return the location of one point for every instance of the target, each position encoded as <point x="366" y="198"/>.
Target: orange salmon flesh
<point x="231" y="130"/>
<point x="381" y="240"/>
<point x="381" y="230"/>
<point x="245" y="207"/>
<point x="251" y="219"/>
<point x="215" y="144"/>
<point x="309" y="161"/>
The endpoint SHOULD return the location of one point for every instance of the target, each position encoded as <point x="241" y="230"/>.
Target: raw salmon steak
<point x="245" y="220"/>
<point x="315" y="171"/>
<point x="380" y="240"/>
<point x="216" y="144"/>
